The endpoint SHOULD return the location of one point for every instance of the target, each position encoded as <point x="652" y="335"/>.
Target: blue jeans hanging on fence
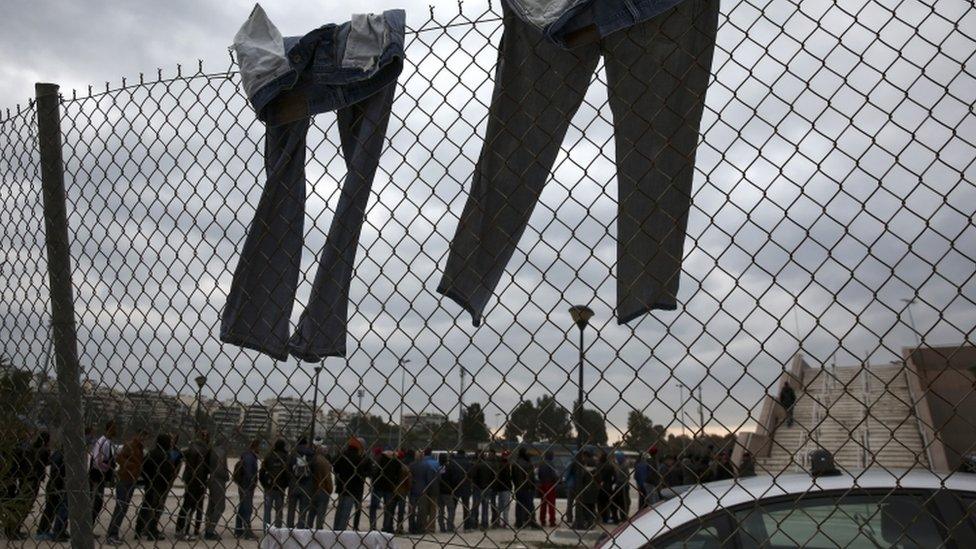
<point x="258" y="309"/>
<point x="657" y="114"/>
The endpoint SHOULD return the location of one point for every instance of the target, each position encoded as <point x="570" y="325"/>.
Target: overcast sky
<point x="835" y="179"/>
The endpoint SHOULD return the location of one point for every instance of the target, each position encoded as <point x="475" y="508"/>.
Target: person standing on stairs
<point x="787" y="399"/>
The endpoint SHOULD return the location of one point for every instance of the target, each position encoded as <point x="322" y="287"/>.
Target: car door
<point x="901" y="520"/>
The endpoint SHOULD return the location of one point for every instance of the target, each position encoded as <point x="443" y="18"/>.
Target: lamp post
<point x="403" y="396"/>
<point x="461" y="410"/>
<point x="315" y="403"/>
<point x="200" y="380"/>
<point x="581" y="317"/>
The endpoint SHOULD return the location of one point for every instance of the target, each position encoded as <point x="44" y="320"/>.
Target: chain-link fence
<point x="801" y="263"/>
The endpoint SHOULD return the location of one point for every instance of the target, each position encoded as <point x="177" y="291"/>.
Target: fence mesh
<point x="829" y="246"/>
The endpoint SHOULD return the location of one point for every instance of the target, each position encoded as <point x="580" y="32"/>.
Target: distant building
<point x="100" y="404"/>
<point x="156" y="410"/>
<point x="257" y="422"/>
<point x="427" y="421"/>
<point x="226" y="417"/>
<point x="291" y="416"/>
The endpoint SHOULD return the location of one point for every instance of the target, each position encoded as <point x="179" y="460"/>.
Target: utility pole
<point x="403" y="396"/>
<point x="64" y="332"/>
<point x="701" y="411"/>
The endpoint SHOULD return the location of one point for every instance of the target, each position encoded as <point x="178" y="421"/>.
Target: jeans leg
<point x="538" y="88"/>
<point x="262" y="293"/>
<point x="374" y="505"/>
<point x="98" y="499"/>
<point x="389" y="504"/>
<point x="242" y="524"/>
<point x="123" y="495"/>
<point x="401" y="511"/>
<point x="657" y="76"/>
<point x="343" y="511"/>
<point x="321" y="330"/>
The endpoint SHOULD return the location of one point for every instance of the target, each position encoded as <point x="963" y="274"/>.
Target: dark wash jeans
<point x="657" y="74"/>
<point x="259" y="305"/>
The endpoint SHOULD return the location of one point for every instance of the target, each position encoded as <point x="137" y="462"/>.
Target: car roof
<point x="707" y="498"/>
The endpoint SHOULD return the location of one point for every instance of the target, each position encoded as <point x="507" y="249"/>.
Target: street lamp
<point x="200" y="380"/>
<point x="581" y="317"/>
<point x="403" y="396"/>
<point x="911" y="319"/>
<point x="315" y="403"/>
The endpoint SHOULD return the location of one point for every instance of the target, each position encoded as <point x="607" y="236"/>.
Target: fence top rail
<point x="181" y="74"/>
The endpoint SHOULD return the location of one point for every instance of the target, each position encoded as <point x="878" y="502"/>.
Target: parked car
<point x="871" y="508"/>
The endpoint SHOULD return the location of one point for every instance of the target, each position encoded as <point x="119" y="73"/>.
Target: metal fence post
<point x="63" y="315"/>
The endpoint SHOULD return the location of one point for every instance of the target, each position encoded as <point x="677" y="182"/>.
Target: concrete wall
<point x="945" y="395"/>
<point x="772" y="414"/>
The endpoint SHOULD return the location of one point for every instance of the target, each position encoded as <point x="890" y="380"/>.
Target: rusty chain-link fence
<point x="829" y="246"/>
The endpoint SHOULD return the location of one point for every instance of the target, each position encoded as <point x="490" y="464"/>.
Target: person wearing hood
<point x="351" y="469"/>
<point x="424" y="490"/>
<point x="246" y="478"/>
<point x="587" y="490"/>
<point x="385" y="479"/>
<point x="402" y="490"/>
<point x="548" y="479"/>
<point x="157" y="470"/>
<point x="459" y="471"/>
<point x="322" y="471"/>
<point x="483" y="495"/>
<point x="54" y="517"/>
<point x="301" y="485"/>
<point x="503" y="487"/>
<point x="196" y="474"/>
<point x="620" y="498"/>
<point x="216" y="489"/>
<point x="274" y="477"/>
<point x="524" y="486"/>
<point x="647" y="476"/>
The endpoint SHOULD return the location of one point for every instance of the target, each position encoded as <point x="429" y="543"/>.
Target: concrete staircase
<point x="863" y="416"/>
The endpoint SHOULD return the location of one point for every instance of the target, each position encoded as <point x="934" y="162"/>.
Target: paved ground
<point x="495" y="538"/>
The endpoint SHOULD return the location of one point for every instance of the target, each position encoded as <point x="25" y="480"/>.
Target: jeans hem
<point x="462" y="301"/>
<point x="280" y="353"/>
<point x="659" y="306"/>
<point x="315" y="356"/>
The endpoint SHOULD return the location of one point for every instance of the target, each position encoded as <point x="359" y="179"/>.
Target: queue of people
<point x="409" y="492"/>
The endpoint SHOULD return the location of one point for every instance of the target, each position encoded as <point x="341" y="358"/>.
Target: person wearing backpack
<point x="102" y="468"/>
<point x="322" y="471"/>
<point x="351" y="469"/>
<point x="216" y="489"/>
<point x="196" y="474"/>
<point x="301" y="484"/>
<point x="274" y="477"/>
<point x="246" y="478"/>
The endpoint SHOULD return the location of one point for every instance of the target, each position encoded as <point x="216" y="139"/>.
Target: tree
<point x="522" y="422"/>
<point x="553" y="422"/>
<point x="475" y="429"/>
<point x="642" y="433"/>
<point x="594" y="427"/>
